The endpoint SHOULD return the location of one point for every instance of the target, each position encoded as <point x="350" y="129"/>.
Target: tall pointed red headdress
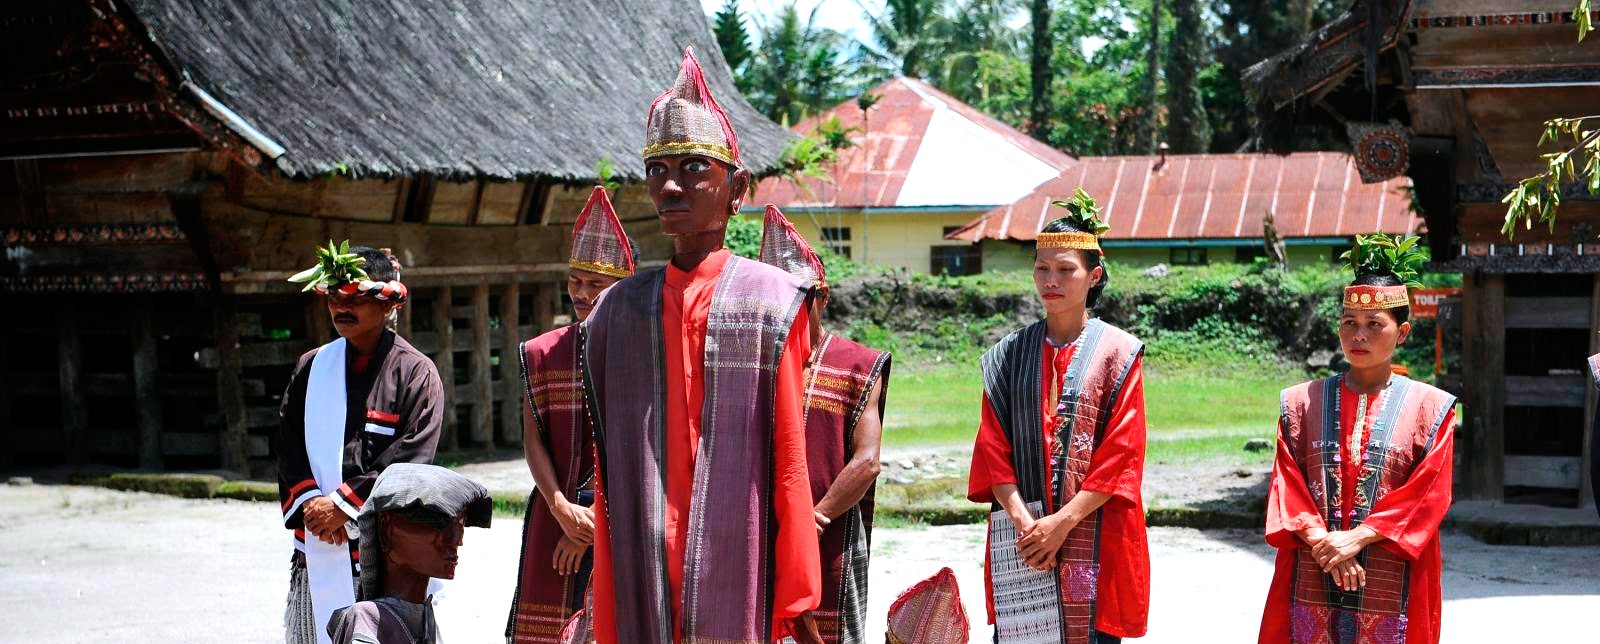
<point x="929" y="612"/>
<point x="783" y="247"/>
<point x="686" y="119"/>
<point x="599" y="244"/>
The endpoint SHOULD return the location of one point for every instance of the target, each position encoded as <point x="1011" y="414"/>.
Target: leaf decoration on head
<point x="1381" y="254"/>
<point x="1082" y="213"/>
<point x="335" y="265"/>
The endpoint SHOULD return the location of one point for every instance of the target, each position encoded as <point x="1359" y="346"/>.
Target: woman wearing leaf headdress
<point x="1060" y="454"/>
<point x="1362" y="477"/>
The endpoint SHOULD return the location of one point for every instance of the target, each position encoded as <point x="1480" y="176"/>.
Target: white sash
<point x="327" y="565"/>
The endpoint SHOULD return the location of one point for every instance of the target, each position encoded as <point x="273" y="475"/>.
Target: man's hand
<point x="1349" y="576"/>
<point x="1340" y="546"/>
<point x="804" y="629"/>
<point x="568" y="556"/>
<point x="576" y="521"/>
<point x="822" y="521"/>
<point x="1040" y="542"/>
<point x="325" y="520"/>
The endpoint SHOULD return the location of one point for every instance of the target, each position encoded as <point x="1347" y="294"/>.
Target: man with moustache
<point x="704" y="529"/>
<point x="559" y="526"/>
<point x="353" y="407"/>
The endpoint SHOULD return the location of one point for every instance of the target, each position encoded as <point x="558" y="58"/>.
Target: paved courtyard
<point x="87" y="564"/>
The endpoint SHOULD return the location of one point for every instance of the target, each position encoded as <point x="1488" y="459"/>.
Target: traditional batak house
<point x="921" y="165"/>
<point x="1205" y="208"/>
<point x="1453" y="94"/>
<point x="166" y="164"/>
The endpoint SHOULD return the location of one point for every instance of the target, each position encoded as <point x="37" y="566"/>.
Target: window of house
<point x="956" y="260"/>
<point x="1188" y="257"/>
<point x="1248" y="254"/>
<point x="835" y="233"/>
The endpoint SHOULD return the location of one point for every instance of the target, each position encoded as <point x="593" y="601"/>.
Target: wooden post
<point x="319" y="329"/>
<point x="1483" y="334"/>
<point x="230" y="391"/>
<point x="1586" y="484"/>
<point x="482" y="378"/>
<point x="444" y="361"/>
<point x="511" y="366"/>
<point x="403" y="325"/>
<point x="74" y="412"/>
<point x="146" y="395"/>
<point x="546" y="302"/>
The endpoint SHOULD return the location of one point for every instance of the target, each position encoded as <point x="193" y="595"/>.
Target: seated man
<point x="411" y="526"/>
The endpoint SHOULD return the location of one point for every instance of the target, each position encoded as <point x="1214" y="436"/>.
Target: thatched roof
<point x="1328" y="54"/>
<point x="496" y="88"/>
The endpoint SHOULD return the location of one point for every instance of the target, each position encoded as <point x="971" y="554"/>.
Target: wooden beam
<point x="1482" y="450"/>
<point x="146" y="393"/>
<point x="1562" y="472"/>
<point x="1547" y="391"/>
<point x="482" y="377"/>
<point x="1547" y="312"/>
<point x="30" y="192"/>
<point x="230" y="391"/>
<point x="445" y="362"/>
<point x="546" y="303"/>
<point x="69" y="356"/>
<point x="510" y="365"/>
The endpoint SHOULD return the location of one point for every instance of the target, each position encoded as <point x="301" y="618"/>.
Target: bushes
<point x="1211" y="318"/>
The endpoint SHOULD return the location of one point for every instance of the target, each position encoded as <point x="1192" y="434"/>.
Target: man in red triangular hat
<point x="556" y="440"/>
<point x="703" y="523"/>
<point x="844" y="402"/>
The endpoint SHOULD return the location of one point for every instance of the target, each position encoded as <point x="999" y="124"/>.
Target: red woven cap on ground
<point x="929" y="612"/>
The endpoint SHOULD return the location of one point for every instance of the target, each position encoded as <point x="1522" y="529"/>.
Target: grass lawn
<point x="1190" y="414"/>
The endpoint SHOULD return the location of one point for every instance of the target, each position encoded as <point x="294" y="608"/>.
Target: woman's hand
<point x="568" y="556"/>
<point x="577" y="522"/>
<point x="1039" y="542"/>
<point x="1340" y="546"/>
<point x="1349" y="576"/>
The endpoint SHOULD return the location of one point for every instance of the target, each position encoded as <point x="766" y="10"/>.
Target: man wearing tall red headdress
<point x="703" y="517"/>
<point x="556" y="439"/>
<point x="844" y="429"/>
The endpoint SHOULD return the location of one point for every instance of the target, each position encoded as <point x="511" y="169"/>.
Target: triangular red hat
<point x="783" y="247"/>
<point x="686" y="119"/>
<point x="929" y="612"/>
<point x="599" y="245"/>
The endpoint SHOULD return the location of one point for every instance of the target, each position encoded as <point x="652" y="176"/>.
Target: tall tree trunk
<point x="1040" y="53"/>
<point x="1149" y="128"/>
<point x="1300" y="13"/>
<point x="1188" y="129"/>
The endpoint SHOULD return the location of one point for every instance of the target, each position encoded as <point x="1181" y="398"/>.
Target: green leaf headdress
<point x="336" y="265"/>
<point x="1082" y="214"/>
<point x="1380" y="254"/>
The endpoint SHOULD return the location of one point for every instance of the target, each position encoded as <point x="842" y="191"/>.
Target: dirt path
<point x="87" y="564"/>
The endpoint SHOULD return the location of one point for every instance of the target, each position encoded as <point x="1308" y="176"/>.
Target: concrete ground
<point x="88" y="564"/>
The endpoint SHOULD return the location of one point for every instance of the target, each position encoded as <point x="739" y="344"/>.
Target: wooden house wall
<point x="193" y="379"/>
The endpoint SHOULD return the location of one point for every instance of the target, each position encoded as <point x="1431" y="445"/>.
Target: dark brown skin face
<point x="584" y="288"/>
<point x="694" y="196"/>
<point x="358" y="318"/>
<point x="412" y="549"/>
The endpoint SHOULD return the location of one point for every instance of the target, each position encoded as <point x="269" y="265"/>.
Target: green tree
<point x="1040" y="45"/>
<point x="1150" y="125"/>
<point x="794" y="72"/>
<point x="1188" y="129"/>
<point x="907" y="38"/>
<point x="728" y="26"/>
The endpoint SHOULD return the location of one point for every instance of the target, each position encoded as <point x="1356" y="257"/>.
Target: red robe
<point x="1116" y="468"/>
<point x="1407" y="517"/>
<point x="686" y="303"/>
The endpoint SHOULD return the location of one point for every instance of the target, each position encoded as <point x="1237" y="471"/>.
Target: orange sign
<point x="1425" y="301"/>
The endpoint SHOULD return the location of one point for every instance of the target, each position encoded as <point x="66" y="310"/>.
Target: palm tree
<point x="906" y="38"/>
<point x="794" y="72"/>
